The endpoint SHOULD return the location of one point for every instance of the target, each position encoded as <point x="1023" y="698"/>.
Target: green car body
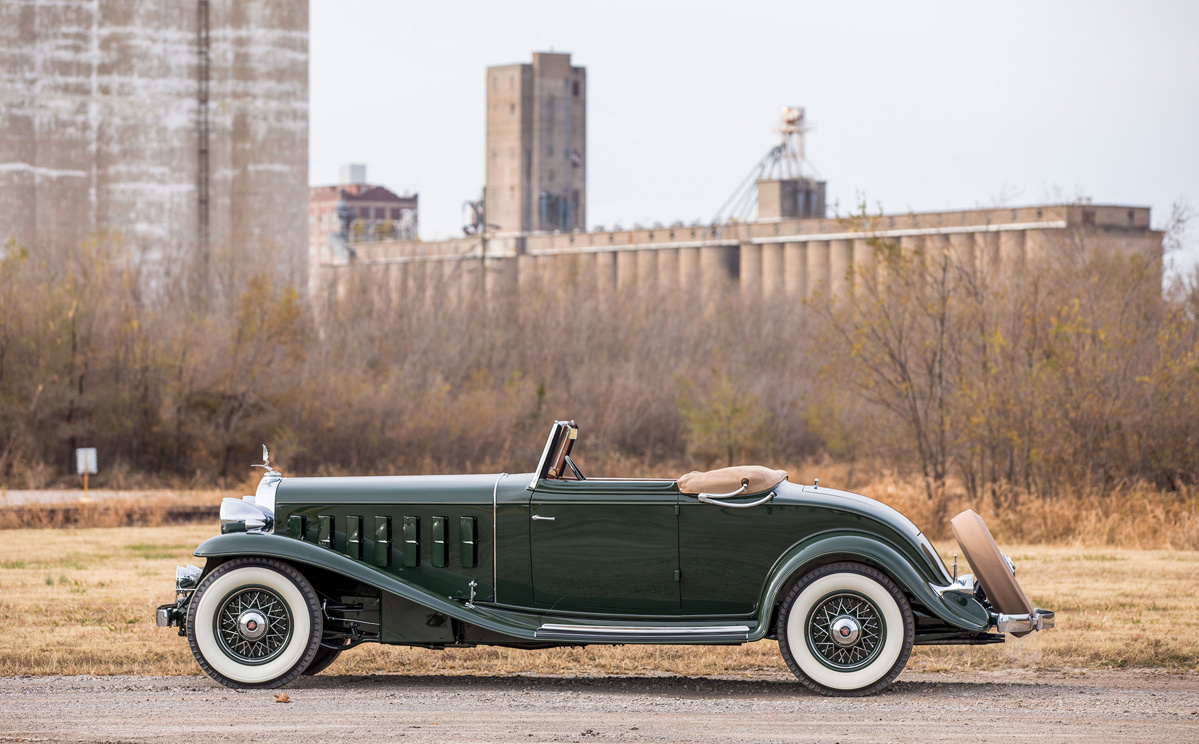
<point x="615" y="552"/>
<point x="532" y="560"/>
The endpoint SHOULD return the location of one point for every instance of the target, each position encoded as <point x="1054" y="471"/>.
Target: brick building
<point x="373" y="213"/>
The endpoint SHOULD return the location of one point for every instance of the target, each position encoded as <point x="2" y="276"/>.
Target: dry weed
<point x="143" y="509"/>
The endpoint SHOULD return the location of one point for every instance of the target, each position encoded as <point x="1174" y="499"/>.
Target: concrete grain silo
<point x="179" y="125"/>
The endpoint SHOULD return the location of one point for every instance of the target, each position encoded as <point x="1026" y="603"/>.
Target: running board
<point x="627" y="634"/>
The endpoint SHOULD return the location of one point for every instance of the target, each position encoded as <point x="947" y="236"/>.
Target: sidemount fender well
<point x="224" y="547"/>
<point x="955" y="609"/>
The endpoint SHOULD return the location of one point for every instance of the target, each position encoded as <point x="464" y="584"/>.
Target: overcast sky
<point x="913" y="106"/>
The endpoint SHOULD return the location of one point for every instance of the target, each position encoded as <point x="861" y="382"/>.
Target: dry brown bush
<point x="1077" y="385"/>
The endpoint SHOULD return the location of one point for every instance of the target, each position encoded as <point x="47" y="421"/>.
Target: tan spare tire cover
<point x="757" y="478"/>
<point x="990" y="569"/>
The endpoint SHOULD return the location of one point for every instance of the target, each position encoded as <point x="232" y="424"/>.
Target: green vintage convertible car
<point x="310" y="567"/>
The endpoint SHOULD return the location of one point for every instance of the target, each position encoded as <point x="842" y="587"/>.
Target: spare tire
<point x="991" y="569"/>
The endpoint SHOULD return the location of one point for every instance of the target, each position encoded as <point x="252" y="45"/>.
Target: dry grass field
<point x="81" y="601"/>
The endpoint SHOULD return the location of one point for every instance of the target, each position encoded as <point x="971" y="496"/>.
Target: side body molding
<point x="955" y="609"/>
<point x="235" y="545"/>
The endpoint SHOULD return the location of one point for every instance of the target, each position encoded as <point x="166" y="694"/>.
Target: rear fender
<point x="238" y="544"/>
<point x="958" y="610"/>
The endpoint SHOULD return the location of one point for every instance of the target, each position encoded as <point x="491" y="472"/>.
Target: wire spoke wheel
<point x="845" y="631"/>
<point x="253" y="625"/>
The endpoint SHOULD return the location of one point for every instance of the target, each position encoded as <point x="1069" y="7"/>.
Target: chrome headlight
<point x="243" y="515"/>
<point x="187" y="578"/>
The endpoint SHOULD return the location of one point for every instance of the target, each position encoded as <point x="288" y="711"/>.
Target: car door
<point x="605" y="546"/>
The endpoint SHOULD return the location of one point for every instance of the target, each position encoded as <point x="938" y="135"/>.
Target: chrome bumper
<point x="1038" y="620"/>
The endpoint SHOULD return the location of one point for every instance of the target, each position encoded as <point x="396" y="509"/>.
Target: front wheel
<point x="846" y="630"/>
<point x="325" y="656"/>
<point x="254" y="622"/>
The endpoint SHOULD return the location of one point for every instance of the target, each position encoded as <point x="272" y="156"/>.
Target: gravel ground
<point x="1129" y="706"/>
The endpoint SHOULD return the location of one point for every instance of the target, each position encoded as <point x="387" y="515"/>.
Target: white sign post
<point x="85" y="462"/>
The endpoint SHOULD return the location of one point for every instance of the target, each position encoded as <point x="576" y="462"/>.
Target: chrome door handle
<point x="545" y="519"/>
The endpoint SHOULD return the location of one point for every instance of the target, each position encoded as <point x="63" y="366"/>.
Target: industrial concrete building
<point x="773" y="241"/>
<point x="537" y="145"/>
<point x="791" y="259"/>
<point x="179" y="125"/>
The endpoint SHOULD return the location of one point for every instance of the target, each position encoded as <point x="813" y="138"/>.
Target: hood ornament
<point x="266" y="462"/>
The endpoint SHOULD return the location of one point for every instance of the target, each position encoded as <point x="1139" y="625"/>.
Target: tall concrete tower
<point x="179" y="125"/>
<point x="537" y="145"/>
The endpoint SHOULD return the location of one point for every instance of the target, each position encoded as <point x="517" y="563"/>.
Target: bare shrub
<point x="1067" y="373"/>
<point x="1074" y="376"/>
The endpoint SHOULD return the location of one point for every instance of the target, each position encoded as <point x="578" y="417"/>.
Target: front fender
<point x="238" y="544"/>
<point x="955" y="609"/>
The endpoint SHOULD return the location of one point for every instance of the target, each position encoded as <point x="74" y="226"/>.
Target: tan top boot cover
<point x="990" y="568"/>
<point x="725" y="480"/>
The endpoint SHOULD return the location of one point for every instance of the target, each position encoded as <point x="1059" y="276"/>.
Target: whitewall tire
<point x="254" y="622"/>
<point x="846" y="629"/>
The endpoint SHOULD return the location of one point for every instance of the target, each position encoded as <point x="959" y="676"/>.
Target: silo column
<point x="1011" y="250"/>
<point x="526" y="273"/>
<point x="668" y="269"/>
<point x="689" y="276"/>
<point x="818" y="266"/>
<point x="714" y="265"/>
<point x="962" y="245"/>
<point x="647" y="269"/>
<point x="795" y="270"/>
<point x="605" y="272"/>
<point x="626" y="269"/>
<point x="840" y="259"/>
<point x="499" y="276"/>
<point x="863" y="255"/>
<point x="751" y="269"/>
<point x="773" y="279"/>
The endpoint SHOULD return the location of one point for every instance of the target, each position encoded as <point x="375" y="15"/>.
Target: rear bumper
<point x="1037" y="620"/>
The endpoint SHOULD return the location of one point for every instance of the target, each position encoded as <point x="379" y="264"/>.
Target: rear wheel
<point x="254" y="622"/>
<point x="846" y="630"/>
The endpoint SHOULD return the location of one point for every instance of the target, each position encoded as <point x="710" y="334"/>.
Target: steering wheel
<point x="574" y="468"/>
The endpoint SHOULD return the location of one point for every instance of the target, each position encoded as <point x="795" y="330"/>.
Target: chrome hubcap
<point x="845" y="631"/>
<point x="252" y="625"/>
